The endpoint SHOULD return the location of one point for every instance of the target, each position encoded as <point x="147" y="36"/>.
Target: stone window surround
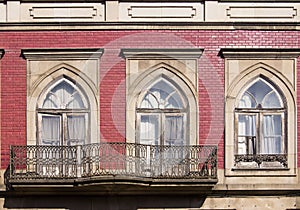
<point x="179" y="65"/>
<point x="243" y="65"/>
<point x="45" y="66"/>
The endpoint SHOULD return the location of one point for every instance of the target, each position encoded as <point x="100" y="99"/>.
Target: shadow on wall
<point x="101" y="202"/>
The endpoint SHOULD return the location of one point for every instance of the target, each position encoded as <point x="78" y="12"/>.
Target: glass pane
<point x="173" y="101"/>
<point x="272" y="134"/>
<point x="247" y="101"/>
<point x="162" y="95"/>
<point x="174" y="130"/>
<point x="260" y="93"/>
<point x="149" y="130"/>
<point x="247" y="125"/>
<point x="259" y="90"/>
<point x="75" y="101"/>
<point x="246" y="134"/>
<point x="150" y="102"/>
<point x="271" y="101"/>
<point x="76" y="133"/>
<point x="50" y="130"/>
<point x="63" y="96"/>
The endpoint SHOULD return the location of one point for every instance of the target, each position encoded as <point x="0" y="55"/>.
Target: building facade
<point x="134" y="105"/>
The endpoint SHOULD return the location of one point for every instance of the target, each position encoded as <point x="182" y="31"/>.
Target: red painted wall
<point x="112" y="71"/>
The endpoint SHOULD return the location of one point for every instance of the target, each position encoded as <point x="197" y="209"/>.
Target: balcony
<point x="111" y="164"/>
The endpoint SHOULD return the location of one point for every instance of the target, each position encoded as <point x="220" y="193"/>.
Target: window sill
<point x="265" y="168"/>
<point x="259" y="169"/>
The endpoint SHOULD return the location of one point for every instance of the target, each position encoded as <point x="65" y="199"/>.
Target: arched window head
<point x="261" y="94"/>
<point x="64" y="95"/>
<point x="260" y="122"/>
<point x="162" y="95"/>
<point x="63" y="114"/>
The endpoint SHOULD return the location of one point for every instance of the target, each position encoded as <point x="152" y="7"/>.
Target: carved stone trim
<point x="61" y="54"/>
<point x="162" y="53"/>
<point x="39" y="12"/>
<point x="261" y="12"/>
<point x="161" y="11"/>
<point x="259" y="53"/>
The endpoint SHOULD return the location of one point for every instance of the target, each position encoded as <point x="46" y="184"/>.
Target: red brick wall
<point x="112" y="70"/>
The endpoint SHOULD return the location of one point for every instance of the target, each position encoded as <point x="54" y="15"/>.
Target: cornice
<point x="158" y="53"/>
<point x="75" y="26"/>
<point x="259" y="53"/>
<point x="58" y="54"/>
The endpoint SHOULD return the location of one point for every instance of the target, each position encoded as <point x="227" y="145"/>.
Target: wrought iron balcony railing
<point x="30" y="163"/>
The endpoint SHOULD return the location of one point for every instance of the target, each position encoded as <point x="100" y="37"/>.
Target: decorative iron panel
<point x="111" y="159"/>
<point x="260" y="158"/>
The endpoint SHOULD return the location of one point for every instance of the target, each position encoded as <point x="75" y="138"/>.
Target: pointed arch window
<point x="260" y="125"/>
<point x="63" y="115"/>
<point x="162" y="115"/>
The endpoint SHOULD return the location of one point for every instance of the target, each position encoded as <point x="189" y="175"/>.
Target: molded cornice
<point x="259" y="52"/>
<point x="162" y="53"/>
<point x="57" y="54"/>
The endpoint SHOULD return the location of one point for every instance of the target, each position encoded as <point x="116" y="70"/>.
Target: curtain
<point x="272" y="134"/>
<point x="246" y="134"/>
<point x="174" y="131"/>
<point x="149" y="135"/>
<point x="76" y="130"/>
<point x="174" y="135"/>
<point x="149" y="130"/>
<point x="51" y="130"/>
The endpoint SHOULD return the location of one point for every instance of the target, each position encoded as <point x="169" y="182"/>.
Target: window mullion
<point x="162" y="128"/>
<point x="64" y="129"/>
<point x="259" y="129"/>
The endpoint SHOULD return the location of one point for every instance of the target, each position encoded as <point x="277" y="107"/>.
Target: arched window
<point x="63" y="115"/>
<point x="260" y="123"/>
<point x="162" y="115"/>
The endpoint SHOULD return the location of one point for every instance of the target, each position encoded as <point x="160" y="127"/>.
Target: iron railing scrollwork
<point x="105" y="159"/>
<point x="260" y="158"/>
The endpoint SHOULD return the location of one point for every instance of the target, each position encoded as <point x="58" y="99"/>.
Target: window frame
<point x="259" y="158"/>
<point x="279" y="66"/>
<point x="63" y="113"/>
<point x="162" y="112"/>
